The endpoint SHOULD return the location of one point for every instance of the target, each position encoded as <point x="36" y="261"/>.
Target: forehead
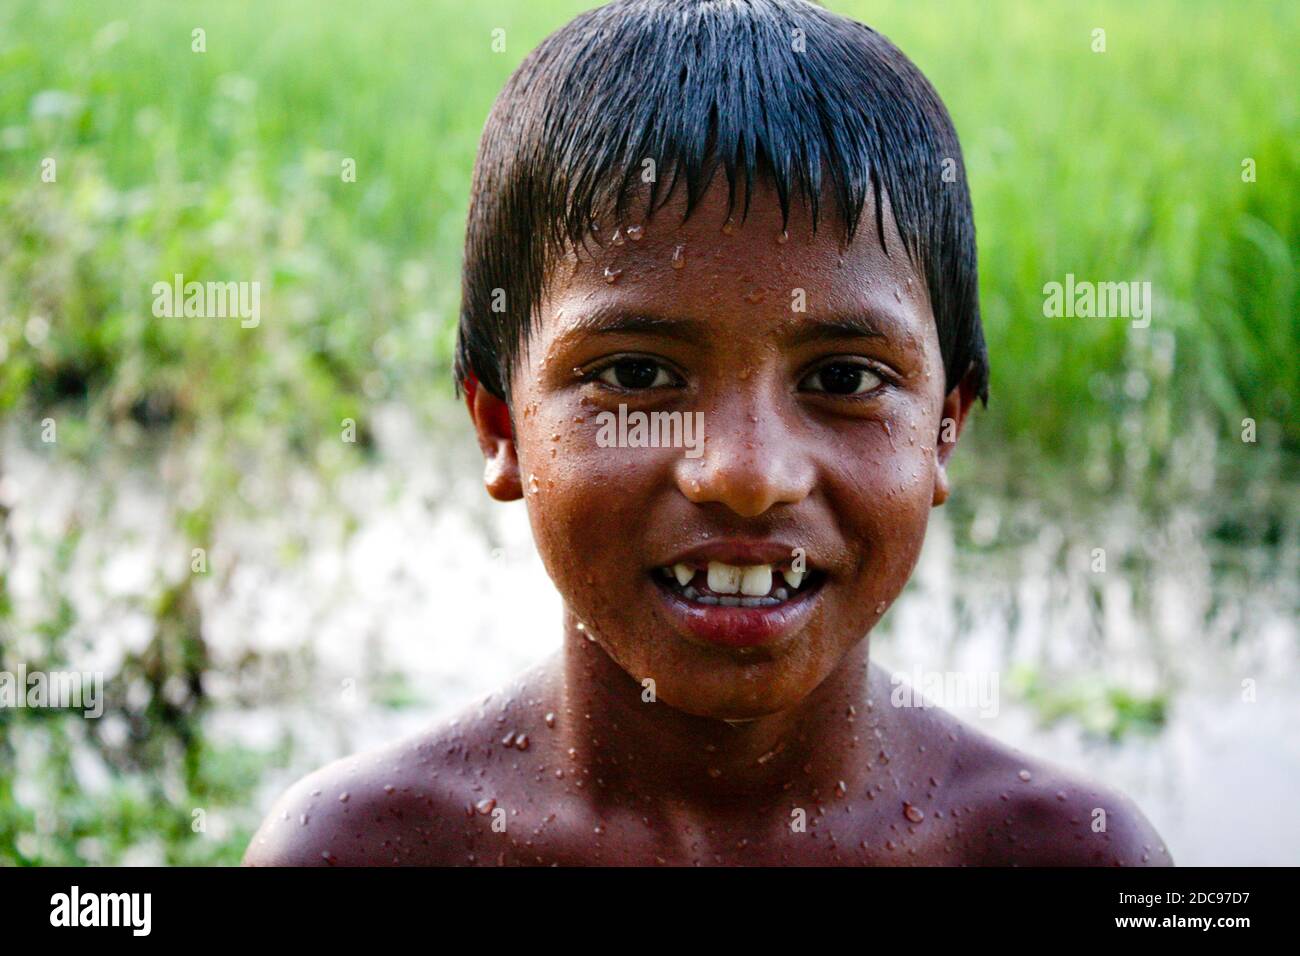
<point x="715" y="265"/>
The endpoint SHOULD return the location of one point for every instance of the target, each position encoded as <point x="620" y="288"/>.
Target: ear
<point x="955" y="407"/>
<point x="496" y="438"/>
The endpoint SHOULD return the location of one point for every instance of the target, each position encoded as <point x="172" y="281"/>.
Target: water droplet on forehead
<point x="782" y="239"/>
<point x="617" y="238"/>
<point x="611" y="275"/>
<point x="679" y="257"/>
<point x="635" y="233"/>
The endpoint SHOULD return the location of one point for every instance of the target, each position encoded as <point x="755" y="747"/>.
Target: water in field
<point x="1152" y="647"/>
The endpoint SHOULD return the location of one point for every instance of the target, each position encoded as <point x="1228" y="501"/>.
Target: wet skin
<point x="768" y="737"/>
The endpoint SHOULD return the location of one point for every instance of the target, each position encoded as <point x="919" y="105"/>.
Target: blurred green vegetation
<point x="225" y="165"/>
<point x="1102" y="711"/>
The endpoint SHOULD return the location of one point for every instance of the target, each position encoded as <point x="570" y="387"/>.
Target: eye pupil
<point x="841" y="379"/>
<point x="635" y="373"/>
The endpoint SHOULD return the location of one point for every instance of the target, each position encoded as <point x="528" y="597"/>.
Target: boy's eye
<point x="842" y="378"/>
<point x="635" y="373"/>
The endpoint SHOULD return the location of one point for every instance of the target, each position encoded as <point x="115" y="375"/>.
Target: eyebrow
<point x="851" y="325"/>
<point x="616" y="321"/>
<point x="619" y="322"/>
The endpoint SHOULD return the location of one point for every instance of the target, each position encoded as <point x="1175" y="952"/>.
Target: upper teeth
<point x="753" y="580"/>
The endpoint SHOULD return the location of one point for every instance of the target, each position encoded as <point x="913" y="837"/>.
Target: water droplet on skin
<point x="715" y="773"/>
<point x="782" y="239"/>
<point x="728" y="227"/>
<point x="532" y="484"/>
<point x="521" y="742"/>
<point x="635" y="233"/>
<point x="343" y="797"/>
<point x="880" y="608"/>
<point x="550" y="719"/>
<point x="485" y="806"/>
<point x="898" y="295"/>
<point x="744" y="374"/>
<point x="679" y="257"/>
<point x="389" y="788"/>
<point x="302" y="820"/>
<point x="1060" y="795"/>
<point x="841" y="789"/>
<point x="508" y="739"/>
<point x="1024" y="775"/>
<point x="617" y="238"/>
<point x="611" y="275"/>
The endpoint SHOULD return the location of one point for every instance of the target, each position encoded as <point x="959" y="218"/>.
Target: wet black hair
<point x="779" y="88"/>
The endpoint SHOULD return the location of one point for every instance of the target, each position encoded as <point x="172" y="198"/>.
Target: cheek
<point x="882" y="484"/>
<point x="586" y="504"/>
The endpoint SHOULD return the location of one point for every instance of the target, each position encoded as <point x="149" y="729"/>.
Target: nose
<point x="753" y="458"/>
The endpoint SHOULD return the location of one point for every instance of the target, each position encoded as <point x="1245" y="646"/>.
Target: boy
<point x="753" y="212"/>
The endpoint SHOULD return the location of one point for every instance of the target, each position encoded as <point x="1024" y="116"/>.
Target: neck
<point x="652" y="749"/>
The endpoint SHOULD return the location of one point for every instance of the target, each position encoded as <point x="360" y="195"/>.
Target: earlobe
<point x="956" y="405"/>
<point x="940" y="484"/>
<point x="491" y="417"/>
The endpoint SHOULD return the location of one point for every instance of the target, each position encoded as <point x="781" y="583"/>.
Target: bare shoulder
<point x="434" y="798"/>
<point x="1023" y="811"/>
<point x="386" y="806"/>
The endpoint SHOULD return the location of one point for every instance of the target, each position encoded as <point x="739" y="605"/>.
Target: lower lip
<point x="739" y="626"/>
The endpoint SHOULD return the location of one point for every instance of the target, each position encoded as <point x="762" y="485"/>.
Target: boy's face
<point x="817" y="376"/>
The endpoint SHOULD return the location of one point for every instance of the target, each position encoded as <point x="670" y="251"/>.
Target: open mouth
<point x="719" y="584"/>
